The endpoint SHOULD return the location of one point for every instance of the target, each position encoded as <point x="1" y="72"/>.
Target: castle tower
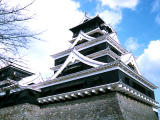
<point x="95" y="65"/>
<point x="94" y="79"/>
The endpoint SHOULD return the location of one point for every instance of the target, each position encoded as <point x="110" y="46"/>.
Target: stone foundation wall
<point x="110" y="106"/>
<point x="134" y="110"/>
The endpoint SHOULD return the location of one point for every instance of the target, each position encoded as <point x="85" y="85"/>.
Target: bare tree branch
<point x="13" y="34"/>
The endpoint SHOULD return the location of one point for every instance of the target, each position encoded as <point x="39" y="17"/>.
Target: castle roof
<point x="93" y="20"/>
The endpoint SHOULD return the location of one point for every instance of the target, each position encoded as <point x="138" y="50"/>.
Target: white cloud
<point x="131" y="44"/>
<point x="149" y="62"/>
<point x="55" y="18"/>
<point x="115" y="4"/>
<point x="111" y="17"/>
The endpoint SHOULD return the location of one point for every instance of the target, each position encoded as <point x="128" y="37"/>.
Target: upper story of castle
<point x="93" y="38"/>
<point x="94" y="27"/>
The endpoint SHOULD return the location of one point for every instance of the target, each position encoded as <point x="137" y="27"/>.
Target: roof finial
<point x="85" y="14"/>
<point x="85" y="18"/>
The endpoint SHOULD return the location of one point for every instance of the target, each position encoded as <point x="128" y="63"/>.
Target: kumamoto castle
<point x="95" y="79"/>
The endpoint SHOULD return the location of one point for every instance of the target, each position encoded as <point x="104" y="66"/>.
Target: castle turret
<point x="10" y="75"/>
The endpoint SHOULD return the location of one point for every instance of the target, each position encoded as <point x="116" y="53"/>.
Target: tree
<point x="13" y="33"/>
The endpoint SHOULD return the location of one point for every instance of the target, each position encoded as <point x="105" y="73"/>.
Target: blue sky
<point x="137" y="23"/>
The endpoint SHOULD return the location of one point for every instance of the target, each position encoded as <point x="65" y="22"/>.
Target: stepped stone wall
<point x="110" y="106"/>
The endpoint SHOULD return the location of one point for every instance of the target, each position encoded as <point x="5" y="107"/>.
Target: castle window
<point x="93" y="49"/>
<point x="127" y="80"/>
<point x="115" y="51"/>
<point x="96" y="35"/>
<point x="82" y="41"/>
